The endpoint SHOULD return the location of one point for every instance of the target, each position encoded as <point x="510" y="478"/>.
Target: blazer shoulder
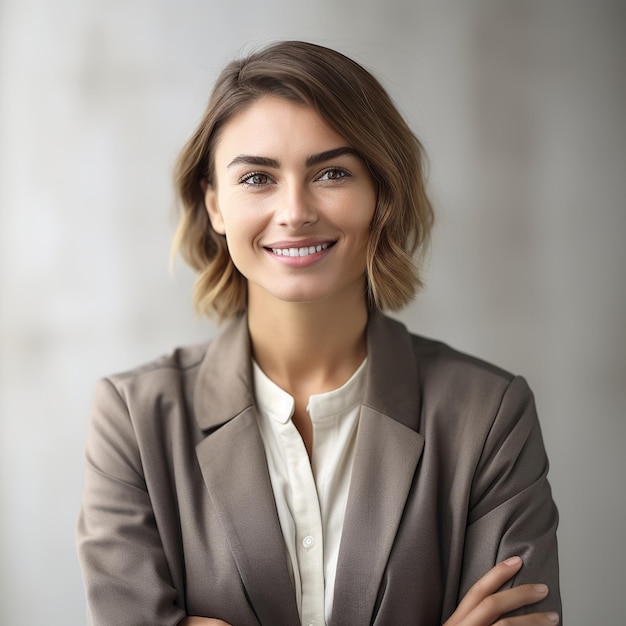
<point x="181" y="360"/>
<point x="462" y="391"/>
<point x="170" y="376"/>
<point x="144" y="406"/>
<point x="437" y="358"/>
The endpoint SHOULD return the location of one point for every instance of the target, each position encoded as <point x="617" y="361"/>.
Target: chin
<point x="302" y="298"/>
<point x="306" y="291"/>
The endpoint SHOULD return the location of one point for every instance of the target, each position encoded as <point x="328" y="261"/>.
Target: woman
<point x="315" y="463"/>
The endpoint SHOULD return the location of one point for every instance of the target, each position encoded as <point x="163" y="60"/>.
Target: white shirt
<point x="311" y="496"/>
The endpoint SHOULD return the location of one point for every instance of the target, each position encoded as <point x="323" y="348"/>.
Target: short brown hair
<point x="353" y="103"/>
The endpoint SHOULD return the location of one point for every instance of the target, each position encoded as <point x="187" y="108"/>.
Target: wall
<point x="520" y="106"/>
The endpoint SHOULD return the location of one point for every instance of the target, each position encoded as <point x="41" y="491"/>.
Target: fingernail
<point x="540" y="588"/>
<point x="514" y="560"/>
<point x="553" y="617"/>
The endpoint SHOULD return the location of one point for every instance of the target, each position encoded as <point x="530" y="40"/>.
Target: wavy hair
<point x="354" y="104"/>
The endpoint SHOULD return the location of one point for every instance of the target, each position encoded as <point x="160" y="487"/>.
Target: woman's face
<point x="295" y="202"/>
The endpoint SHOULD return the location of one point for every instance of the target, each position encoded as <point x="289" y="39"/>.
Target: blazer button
<point x="308" y="542"/>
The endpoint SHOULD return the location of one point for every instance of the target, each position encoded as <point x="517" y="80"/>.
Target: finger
<point x="484" y="587"/>
<point x="536" y="619"/>
<point x="491" y="608"/>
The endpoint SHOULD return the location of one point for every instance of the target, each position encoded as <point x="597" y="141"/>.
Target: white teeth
<point x="304" y="251"/>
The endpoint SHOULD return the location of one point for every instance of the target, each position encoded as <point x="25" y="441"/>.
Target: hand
<point x="483" y="604"/>
<point x="202" y="621"/>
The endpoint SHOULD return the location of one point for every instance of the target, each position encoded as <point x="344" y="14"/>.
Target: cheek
<point x="362" y="213"/>
<point x="356" y="210"/>
<point x="242" y="226"/>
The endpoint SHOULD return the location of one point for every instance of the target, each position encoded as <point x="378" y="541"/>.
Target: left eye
<point x="255" y="179"/>
<point x="333" y="173"/>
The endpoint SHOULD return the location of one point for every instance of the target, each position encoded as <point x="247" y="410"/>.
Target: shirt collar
<point x="279" y="405"/>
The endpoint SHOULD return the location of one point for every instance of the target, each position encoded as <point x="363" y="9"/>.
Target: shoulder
<point x="468" y="398"/>
<point x="469" y="409"/>
<point x="185" y="362"/>
<point x="142" y="412"/>
<point x="161" y="373"/>
<point x="189" y="382"/>
<point x="470" y="388"/>
<point x="153" y="392"/>
<point x="438" y="361"/>
<point x="453" y="389"/>
<point x="439" y="386"/>
<point x="435" y="362"/>
<point x="178" y="361"/>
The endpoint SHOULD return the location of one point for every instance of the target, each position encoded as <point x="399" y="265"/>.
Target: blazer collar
<point x="388" y="449"/>
<point x="234" y="469"/>
<point x="224" y="386"/>
<point x="392" y="377"/>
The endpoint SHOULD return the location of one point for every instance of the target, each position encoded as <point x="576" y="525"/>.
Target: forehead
<point x="276" y="127"/>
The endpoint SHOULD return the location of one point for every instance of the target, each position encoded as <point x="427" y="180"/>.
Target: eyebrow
<point x="314" y="159"/>
<point x="248" y="159"/>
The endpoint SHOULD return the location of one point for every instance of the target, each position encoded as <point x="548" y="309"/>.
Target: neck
<point x="308" y="347"/>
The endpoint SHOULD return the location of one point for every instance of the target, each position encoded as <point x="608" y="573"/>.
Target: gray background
<point x="521" y="107"/>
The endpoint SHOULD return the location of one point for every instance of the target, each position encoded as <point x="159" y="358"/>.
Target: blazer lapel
<point x="234" y="468"/>
<point x="233" y="465"/>
<point x="388" y="449"/>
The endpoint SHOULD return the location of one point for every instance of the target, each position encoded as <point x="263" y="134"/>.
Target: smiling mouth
<point x="302" y="251"/>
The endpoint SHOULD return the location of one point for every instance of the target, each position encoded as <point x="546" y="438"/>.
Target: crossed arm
<point x="483" y="605"/>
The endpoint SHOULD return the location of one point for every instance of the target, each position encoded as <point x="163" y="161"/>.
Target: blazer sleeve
<point x="511" y="507"/>
<point x="124" y="568"/>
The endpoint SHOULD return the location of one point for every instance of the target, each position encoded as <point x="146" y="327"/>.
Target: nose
<point x="297" y="207"/>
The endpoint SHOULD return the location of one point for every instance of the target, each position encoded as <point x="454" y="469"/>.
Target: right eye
<point x="255" y="179"/>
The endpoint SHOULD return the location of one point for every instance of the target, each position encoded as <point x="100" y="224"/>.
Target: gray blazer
<point x="178" y="516"/>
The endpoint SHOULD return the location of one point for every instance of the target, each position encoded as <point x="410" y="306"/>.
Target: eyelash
<point x="342" y="173"/>
<point x="245" y="180"/>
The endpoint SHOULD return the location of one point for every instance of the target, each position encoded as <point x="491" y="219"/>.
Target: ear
<point x="213" y="209"/>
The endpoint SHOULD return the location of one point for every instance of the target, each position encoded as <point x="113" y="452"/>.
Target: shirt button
<point x="308" y="542"/>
